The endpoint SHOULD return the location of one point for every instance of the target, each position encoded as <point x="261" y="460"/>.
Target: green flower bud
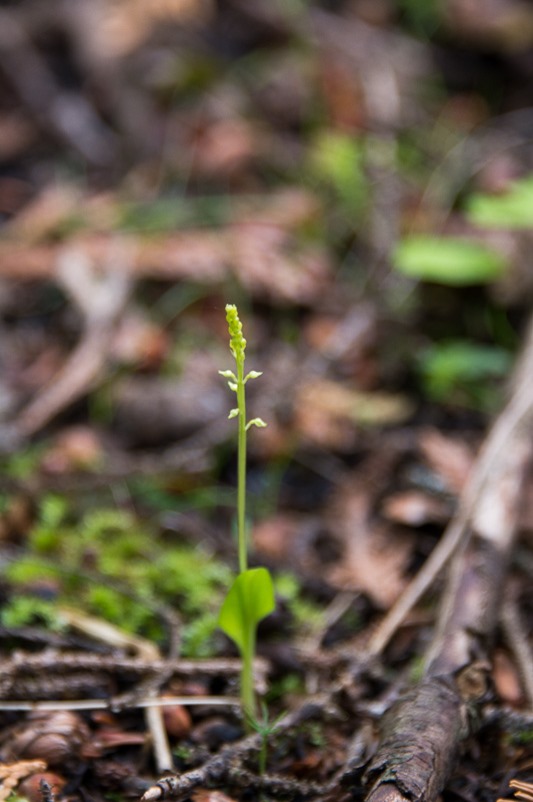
<point x="237" y="342"/>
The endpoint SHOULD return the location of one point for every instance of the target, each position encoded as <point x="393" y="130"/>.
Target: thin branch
<point x="114" y="704"/>
<point x="228" y="762"/>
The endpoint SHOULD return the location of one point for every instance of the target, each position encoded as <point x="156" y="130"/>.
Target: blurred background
<point x="357" y="176"/>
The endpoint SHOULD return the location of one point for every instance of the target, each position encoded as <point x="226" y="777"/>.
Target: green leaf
<point x="444" y="260"/>
<point x="249" y="600"/>
<point x="514" y="209"/>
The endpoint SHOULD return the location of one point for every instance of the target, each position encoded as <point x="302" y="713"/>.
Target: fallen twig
<point x="115" y="704"/>
<point x="229" y="761"/>
<point x="521" y="791"/>
<point x="24" y="666"/>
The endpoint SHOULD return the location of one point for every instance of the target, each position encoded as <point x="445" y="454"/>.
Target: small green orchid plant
<point x="251" y="596"/>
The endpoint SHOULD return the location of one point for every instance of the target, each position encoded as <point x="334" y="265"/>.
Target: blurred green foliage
<point x="446" y="260"/>
<point x="463" y="373"/>
<point x="513" y="209"/>
<point x="337" y="160"/>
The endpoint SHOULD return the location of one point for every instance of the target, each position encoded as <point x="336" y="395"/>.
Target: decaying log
<point x="422" y="734"/>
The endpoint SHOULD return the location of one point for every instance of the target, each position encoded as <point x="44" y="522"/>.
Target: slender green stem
<point x="247" y="682"/>
<point x="241" y="470"/>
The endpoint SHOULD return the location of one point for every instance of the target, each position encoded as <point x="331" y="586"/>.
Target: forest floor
<point x="358" y="178"/>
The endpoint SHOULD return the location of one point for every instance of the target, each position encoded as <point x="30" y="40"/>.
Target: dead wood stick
<point x="423" y="732"/>
<point x="509" y="423"/>
<point x="144" y="703"/>
<point x="53" y="661"/>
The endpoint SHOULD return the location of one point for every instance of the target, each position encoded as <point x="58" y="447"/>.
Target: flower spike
<point x="237" y="342"/>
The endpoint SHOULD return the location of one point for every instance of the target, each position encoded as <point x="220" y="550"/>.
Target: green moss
<point x="198" y="638"/>
<point x="24" y="463"/>
<point x="287" y="586"/>
<point x="523" y="737"/>
<point x="131" y="615"/>
<point x="24" y="611"/>
<point x="286" y="685"/>
<point x="308" y="616"/>
<point x="192" y="575"/>
<point x="139" y="572"/>
<point x="31" y="570"/>
<point x="416" y="669"/>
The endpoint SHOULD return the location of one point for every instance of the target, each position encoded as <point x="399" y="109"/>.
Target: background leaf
<point x="444" y="260"/>
<point x="513" y="209"/>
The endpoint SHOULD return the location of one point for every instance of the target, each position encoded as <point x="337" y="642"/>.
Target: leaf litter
<point x="263" y="155"/>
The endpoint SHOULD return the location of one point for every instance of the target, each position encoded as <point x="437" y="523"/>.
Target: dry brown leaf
<point x="289" y="208"/>
<point x="16" y="135"/>
<point x="375" y="560"/>
<point x="343" y="338"/>
<point x="276" y="538"/>
<point x="505" y="25"/>
<point x="46" y="214"/>
<point x="11" y="774"/>
<point x="415" y="508"/>
<point x="451" y="459"/>
<point x="263" y="257"/>
<point x="506" y="679"/>
<point x="139" y="342"/>
<point x="323" y="428"/>
<point x="326" y="412"/>
<point x="125" y="25"/>
<point x="225" y="148"/>
<point x="270" y="263"/>
<point x="14" y="193"/>
<point x="73" y="448"/>
<point x="374" y="564"/>
<point x="31" y="788"/>
<point x="342" y="94"/>
<point x="206" y="795"/>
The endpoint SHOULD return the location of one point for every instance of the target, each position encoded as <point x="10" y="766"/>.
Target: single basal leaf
<point x="249" y="600"/>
